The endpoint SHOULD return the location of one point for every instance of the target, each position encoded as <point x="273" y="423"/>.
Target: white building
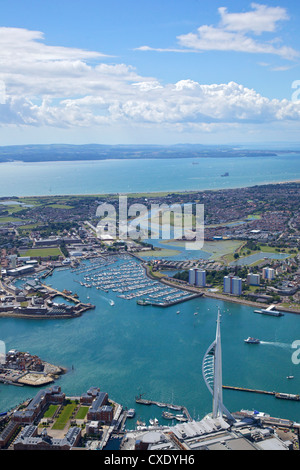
<point x="269" y="274"/>
<point x="253" y="279"/>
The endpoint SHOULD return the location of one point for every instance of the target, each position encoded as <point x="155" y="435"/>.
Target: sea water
<point x="145" y="175"/>
<point x="127" y="350"/>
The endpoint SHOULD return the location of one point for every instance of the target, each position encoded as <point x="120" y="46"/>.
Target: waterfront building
<point x="21" y="270"/>
<point x="29" y="439"/>
<point x="200" y="278"/>
<point x="43" y="398"/>
<point x="237" y="286"/>
<point x="192" y="277"/>
<point x="253" y="279"/>
<point x="197" y="277"/>
<point x="95" y="412"/>
<point x="232" y="285"/>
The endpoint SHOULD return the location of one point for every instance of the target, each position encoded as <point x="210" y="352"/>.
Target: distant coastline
<point x="73" y="153"/>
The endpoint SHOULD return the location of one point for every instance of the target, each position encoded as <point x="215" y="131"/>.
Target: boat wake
<point x="110" y="301"/>
<point x="277" y="344"/>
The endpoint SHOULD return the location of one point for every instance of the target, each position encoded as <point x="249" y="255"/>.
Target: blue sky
<point x="149" y="71"/>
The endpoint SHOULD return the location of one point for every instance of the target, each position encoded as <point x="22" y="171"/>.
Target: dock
<point x="280" y="395"/>
<point x="183" y="409"/>
<point x="62" y="294"/>
<point x="170" y="303"/>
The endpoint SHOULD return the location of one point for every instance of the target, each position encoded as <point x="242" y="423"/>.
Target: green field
<point x="64" y="416"/>
<point x="50" y="412"/>
<point x="43" y="252"/>
<point x="82" y="412"/>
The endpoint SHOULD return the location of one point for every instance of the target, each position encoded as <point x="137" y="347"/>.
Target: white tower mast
<point x="212" y="374"/>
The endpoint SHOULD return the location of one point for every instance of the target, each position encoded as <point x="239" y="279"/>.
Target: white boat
<point x="131" y="413"/>
<point x="290" y="377"/>
<point x="270" y="311"/>
<point x="251" y="340"/>
<point x="111" y="302"/>
<point x="153" y="422"/>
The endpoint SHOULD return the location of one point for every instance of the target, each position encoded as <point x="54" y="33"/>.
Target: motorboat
<point x="251" y="340"/>
<point x="131" y="413"/>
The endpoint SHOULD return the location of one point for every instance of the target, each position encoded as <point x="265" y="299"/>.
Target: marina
<point x="127" y="278"/>
<point x="141" y="348"/>
<point x="185" y="416"/>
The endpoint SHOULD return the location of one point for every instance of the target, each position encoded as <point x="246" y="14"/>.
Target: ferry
<point x="131" y="413"/>
<point x="269" y="311"/>
<point x="251" y="340"/>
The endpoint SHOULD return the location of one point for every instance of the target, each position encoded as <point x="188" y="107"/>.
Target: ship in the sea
<point x="225" y="174"/>
<point x="251" y="340"/>
<point x="269" y="311"/>
<point x="131" y="413"/>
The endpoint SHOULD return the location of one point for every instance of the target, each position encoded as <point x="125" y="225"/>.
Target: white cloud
<point x="262" y="19"/>
<point x="72" y="88"/>
<point x="234" y="33"/>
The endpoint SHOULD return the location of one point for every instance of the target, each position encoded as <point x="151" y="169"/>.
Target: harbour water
<point x="146" y="175"/>
<point x="127" y="349"/>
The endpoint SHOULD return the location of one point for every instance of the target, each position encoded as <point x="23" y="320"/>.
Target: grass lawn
<point x="50" y="412"/>
<point x="64" y="416"/>
<point x="82" y="412"/>
<point x="43" y="252"/>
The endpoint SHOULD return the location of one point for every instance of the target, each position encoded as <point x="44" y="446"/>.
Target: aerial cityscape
<point x="149" y="228"/>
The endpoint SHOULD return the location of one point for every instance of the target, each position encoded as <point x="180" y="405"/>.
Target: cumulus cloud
<point x="237" y="32"/>
<point x="73" y="88"/>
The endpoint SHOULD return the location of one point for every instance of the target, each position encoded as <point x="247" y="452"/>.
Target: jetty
<point x="280" y="395"/>
<point x="170" y="302"/>
<point x="66" y="295"/>
<point x="183" y="409"/>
